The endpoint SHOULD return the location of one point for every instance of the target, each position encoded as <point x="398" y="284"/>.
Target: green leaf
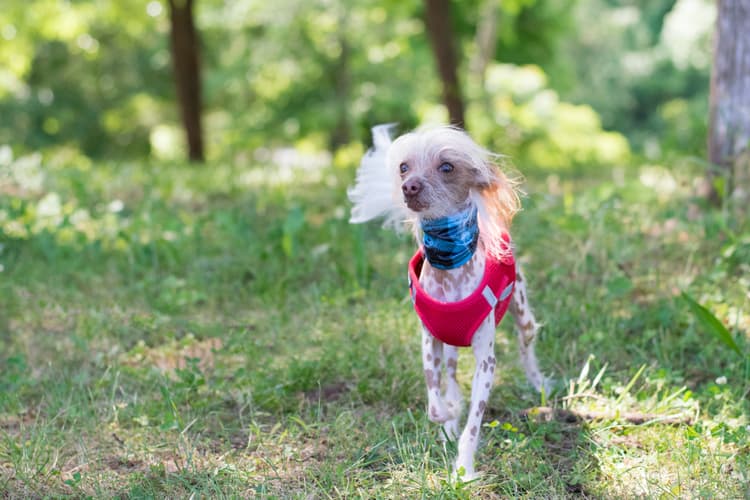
<point x="630" y="385"/>
<point x="711" y="323"/>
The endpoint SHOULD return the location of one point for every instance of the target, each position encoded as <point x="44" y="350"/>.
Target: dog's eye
<point x="445" y="167"/>
<point x="404" y="168"/>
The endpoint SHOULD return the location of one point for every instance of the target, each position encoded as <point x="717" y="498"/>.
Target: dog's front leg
<point x="432" y="353"/>
<point x="452" y="395"/>
<point x="483" y="345"/>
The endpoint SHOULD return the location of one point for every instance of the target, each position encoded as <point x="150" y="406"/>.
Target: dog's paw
<point x="464" y="473"/>
<point x="549" y="385"/>
<point x="438" y="412"/>
<point x="450" y="431"/>
<point x="538" y="380"/>
<point x="542" y="383"/>
<point x="453" y="407"/>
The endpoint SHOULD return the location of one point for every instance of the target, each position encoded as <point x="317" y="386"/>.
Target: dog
<point x="463" y="277"/>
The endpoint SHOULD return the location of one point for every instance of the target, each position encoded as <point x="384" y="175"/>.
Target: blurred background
<point x="553" y="83"/>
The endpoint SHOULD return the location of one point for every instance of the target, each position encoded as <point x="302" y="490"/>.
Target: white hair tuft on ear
<point x="373" y="192"/>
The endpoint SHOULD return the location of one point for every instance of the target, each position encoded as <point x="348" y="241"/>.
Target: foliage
<point x="644" y="66"/>
<point x="96" y="77"/>
<point x="540" y="130"/>
<point x="273" y="73"/>
<point x="87" y="74"/>
<point x="710" y="323"/>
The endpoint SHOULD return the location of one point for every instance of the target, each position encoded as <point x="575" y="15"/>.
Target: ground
<point x="223" y="331"/>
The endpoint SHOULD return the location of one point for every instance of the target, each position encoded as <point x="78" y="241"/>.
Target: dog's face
<point x="438" y="169"/>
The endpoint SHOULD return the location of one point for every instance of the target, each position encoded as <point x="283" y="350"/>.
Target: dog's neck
<point x="450" y="242"/>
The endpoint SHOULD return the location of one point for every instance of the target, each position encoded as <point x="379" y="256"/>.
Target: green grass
<point x="223" y="334"/>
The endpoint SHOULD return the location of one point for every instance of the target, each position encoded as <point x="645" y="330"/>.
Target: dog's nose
<point x="411" y="187"/>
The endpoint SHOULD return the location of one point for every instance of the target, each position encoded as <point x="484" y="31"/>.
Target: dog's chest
<point x="453" y="285"/>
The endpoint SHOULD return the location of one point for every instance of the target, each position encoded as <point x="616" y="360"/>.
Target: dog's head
<point x="432" y="173"/>
<point x="438" y="170"/>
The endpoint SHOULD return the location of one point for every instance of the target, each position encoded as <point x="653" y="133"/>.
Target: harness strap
<point x="508" y="290"/>
<point x="489" y="296"/>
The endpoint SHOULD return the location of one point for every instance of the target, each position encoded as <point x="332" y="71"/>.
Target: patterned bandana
<point x="449" y="242"/>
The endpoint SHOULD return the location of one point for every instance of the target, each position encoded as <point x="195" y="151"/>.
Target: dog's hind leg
<point x="527" y="327"/>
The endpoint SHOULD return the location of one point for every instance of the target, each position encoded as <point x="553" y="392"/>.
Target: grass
<point x="168" y="332"/>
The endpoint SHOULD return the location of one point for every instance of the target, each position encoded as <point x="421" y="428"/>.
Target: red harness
<point x="455" y="323"/>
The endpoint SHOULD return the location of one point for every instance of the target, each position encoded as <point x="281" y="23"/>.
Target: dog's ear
<point x="376" y="189"/>
<point x="487" y="178"/>
<point x="499" y="194"/>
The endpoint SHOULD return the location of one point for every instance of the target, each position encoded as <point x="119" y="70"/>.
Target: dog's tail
<point x="372" y="195"/>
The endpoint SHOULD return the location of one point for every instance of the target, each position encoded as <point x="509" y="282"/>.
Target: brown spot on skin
<point x="437" y="362"/>
<point x="429" y="357"/>
<point x="482" y="405"/>
<point x="455" y="284"/>
<point x="452" y="363"/>
<point x="484" y="366"/>
<point x="523" y="299"/>
<point x="431" y="379"/>
<point x="487" y="385"/>
<point x="519" y="278"/>
<point x="474" y="431"/>
<point x="513" y="307"/>
<point x="528" y="325"/>
<point x="449" y="282"/>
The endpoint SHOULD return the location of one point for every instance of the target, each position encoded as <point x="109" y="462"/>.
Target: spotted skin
<point x="440" y="172"/>
<point x="444" y="407"/>
<point x="526" y="327"/>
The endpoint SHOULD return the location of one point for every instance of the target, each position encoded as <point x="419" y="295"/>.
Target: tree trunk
<point x="186" y="65"/>
<point x="442" y="39"/>
<point x="729" y="126"/>
<point x="486" y="37"/>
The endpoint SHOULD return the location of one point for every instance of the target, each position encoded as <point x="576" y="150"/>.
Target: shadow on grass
<point x="537" y="453"/>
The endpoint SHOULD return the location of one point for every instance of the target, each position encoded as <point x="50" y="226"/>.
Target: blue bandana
<point x="449" y="242"/>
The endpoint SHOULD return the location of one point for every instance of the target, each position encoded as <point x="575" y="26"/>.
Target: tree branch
<point x="547" y="414"/>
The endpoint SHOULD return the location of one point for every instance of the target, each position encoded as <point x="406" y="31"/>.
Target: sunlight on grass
<point x="198" y="328"/>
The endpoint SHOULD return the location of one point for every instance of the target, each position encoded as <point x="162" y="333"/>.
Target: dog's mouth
<point x="415" y="204"/>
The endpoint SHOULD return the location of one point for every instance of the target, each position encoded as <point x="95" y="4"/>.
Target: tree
<point x="485" y="38"/>
<point x="440" y="30"/>
<point x="729" y="127"/>
<point x="186" y="65"/>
